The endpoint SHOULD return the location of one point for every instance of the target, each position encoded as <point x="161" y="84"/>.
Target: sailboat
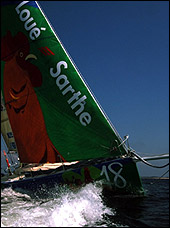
<point x="56" y="125"/>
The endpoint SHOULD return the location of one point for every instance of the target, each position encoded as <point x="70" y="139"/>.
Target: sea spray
<point x="80" y="209"/>
<point x="67" y="208"/>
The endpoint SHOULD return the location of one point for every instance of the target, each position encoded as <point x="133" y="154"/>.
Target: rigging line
<point x="4" y="142"/>
<point x="164" y="173"/>
<point x="160" y="177"/>
<point x="147" y="163"/>
<point x="148" y="154"/>
<point x="126" y="138"/>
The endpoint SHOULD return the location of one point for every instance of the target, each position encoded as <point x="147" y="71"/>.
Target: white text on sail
<point x="62" y="82"/>
<point x="24" y="15"/>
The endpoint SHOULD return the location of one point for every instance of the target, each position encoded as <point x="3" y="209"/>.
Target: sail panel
<point x="52" y="112"/>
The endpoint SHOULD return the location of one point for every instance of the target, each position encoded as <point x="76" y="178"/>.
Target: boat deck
<point x="20" y="172"/>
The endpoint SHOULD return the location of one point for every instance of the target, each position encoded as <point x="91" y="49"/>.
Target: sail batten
<point x="55" y="115"/>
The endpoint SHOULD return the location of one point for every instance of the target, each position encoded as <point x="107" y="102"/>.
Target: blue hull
<point x="120" y="175"/>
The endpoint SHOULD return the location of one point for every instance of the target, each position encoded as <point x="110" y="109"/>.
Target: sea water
<point x="87" y="207"/>
<point x="67" y="208"/>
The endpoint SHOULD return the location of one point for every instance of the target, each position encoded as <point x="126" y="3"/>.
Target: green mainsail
<point x="75" y="123"/>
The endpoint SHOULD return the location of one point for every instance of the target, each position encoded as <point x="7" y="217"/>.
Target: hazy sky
<point x="122" y="50"/>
